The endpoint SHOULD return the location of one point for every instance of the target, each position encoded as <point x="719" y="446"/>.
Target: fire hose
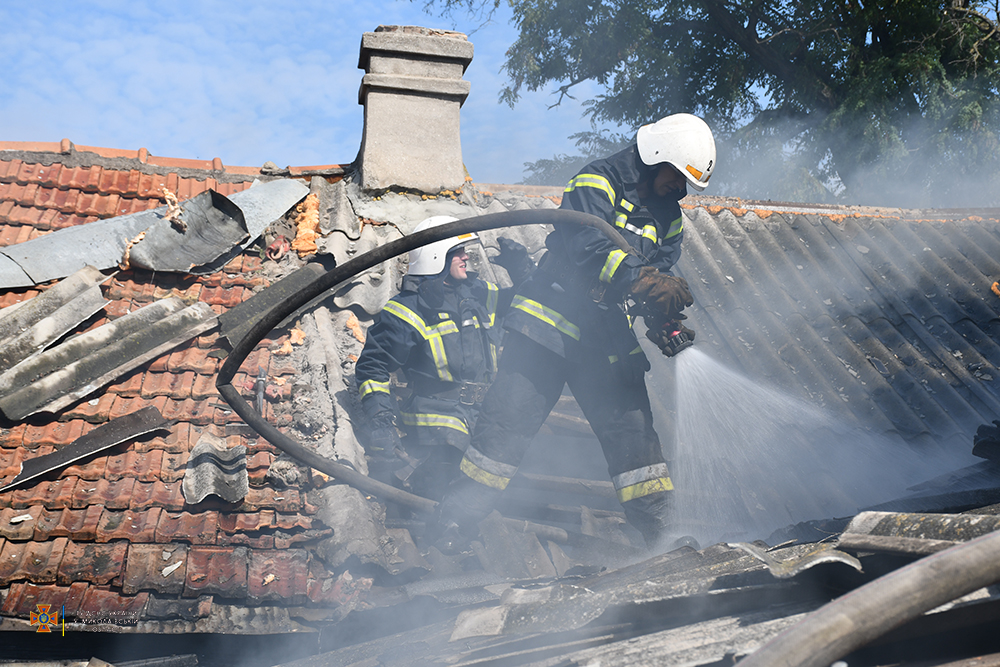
<point x="343" y="273"/>
<point x="861" y="616"/>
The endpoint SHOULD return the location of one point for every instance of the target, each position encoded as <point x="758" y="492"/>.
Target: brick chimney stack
<point x="412" y="92"/>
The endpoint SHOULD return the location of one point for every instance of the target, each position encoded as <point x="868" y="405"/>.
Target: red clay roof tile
<point x="13" y="436"/>
<point x="157" y="494"/>
<point x="191" y="358"/>
<point x="181" y="438"/>
<point x="257" y="466"/>
<point x="10" y="461"/>
<point x="36" y="562"/>
<point x="94" y="563"/>
<point x="79" y="524"/>
<point x="174" y="385"/>
<point x="173" y="466"/>
<point x="143" y="466"/>
<point x="134" y="526"/>
<point x="22" y="530"/>
<point x="197" y="528"/>
<point x="54" y="495"/>
<point x="129" y="385"/>
<point x="204" y="387"/>
<point x="217" y="570"/>
<point x="88" y="469"/>
<point x="95" y="410"/>
<point x="240" y="522"/>
<point x="196" y="412"/>
<point x="105" y="493"/>
<point x="277" y="575"/>
<point x="55" y="433"/>
<point x="155" y="567"/>
<point x="124" y="406"/>
<point x="22" y="599"/>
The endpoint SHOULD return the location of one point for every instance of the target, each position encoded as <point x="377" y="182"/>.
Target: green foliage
<point x="880" y="101"/>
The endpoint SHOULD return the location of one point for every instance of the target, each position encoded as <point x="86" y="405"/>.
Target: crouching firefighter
<point x="569" y="323"/>
<point x="441" y="331"/>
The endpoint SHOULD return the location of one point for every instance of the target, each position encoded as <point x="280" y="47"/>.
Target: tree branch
<point x="768" y="58"/>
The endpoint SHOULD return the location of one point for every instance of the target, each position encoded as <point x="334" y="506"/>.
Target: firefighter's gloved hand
<point x="384" y="438"/>
<point x="515" y="259"/>
<point x="662" y="294"/>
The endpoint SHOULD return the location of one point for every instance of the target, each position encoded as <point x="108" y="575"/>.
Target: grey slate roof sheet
<point x="888" y="320"/>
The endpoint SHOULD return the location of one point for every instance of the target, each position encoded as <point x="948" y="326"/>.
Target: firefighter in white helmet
<point x="441" y="330"/>
<point x="569" y="324"/>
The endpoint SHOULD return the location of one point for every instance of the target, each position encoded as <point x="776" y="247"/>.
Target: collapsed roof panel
<point x="204" y="231"/>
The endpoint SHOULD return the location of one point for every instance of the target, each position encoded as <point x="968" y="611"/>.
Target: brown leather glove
<point x="660" y="293"/>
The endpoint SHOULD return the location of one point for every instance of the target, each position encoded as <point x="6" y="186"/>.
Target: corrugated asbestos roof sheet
<point x="886" y="318"/>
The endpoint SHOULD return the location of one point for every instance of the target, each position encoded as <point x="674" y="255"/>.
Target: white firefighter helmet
<point x="429" y="260"/>
<point x="682" y="140"/>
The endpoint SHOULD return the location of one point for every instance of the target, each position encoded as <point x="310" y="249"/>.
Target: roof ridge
<point x="68" y="153"/>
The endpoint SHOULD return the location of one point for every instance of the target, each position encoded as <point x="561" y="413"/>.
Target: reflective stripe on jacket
<point x="440" y="337"/>
<point x="557" y="306"/>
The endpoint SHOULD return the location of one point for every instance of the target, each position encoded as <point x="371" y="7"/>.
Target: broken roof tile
<point x="217" y="570"/>
<point x="134" y="526"/>
<point x="342" y="590"/>
<point x="283" y="500"/>
<point x="36" y="562"/>
<point x="155" y="567"/>
<point x="94" y="563"/>
<point x="257" y="466"/>
<point x="104" y="605"/>
<point x="256" y="541"/>
<point x="113" y="495"/>
<point x="78" y="524"/>
<point x="169" y="608"/>
<point x="199" y="528"/>
<point x="278" y="575"/>
<point x="157" y="494"/>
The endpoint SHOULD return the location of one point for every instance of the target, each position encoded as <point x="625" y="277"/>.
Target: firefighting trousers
<point x="528" y="384"/>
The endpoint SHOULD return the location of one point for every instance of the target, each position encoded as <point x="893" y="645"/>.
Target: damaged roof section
<point x="58" y="377"/>
<point x="198" y="235"/>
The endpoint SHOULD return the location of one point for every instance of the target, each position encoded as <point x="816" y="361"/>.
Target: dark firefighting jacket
<point x="444" y="338"/>
<point x="573" y="303"/>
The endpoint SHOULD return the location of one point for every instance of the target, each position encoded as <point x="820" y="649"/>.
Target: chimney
<point x="412" y="92"/>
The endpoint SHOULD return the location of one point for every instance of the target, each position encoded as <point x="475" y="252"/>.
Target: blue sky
<point x="245" y="81"/>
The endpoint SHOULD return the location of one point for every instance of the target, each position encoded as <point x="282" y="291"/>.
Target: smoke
<point x="917" y="164"/>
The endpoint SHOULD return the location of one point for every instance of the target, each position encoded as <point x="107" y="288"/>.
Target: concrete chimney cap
<point x="414" y="40"/>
